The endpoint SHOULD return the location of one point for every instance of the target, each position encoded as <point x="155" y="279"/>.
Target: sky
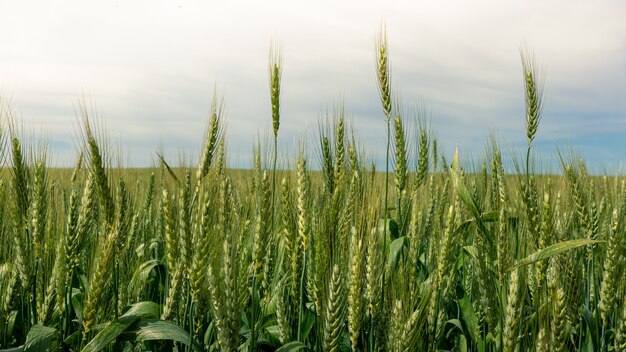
<point x="150" y="70"/>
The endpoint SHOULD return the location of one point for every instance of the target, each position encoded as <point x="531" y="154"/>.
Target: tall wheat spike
<point x="611" y="267"/>
<point x="335" y="310"/>
<point x="512" y="312"/>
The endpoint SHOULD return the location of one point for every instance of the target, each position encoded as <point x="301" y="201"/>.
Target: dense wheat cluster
<point x="429" y="255"/>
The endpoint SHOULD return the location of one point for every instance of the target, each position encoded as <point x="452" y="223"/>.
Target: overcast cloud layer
<point x="151" y="67"/>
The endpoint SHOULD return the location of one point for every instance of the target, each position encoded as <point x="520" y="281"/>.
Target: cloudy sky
<point x="152" y="67"/>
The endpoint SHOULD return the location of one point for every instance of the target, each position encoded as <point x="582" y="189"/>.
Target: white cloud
<point x="151" y="66"/>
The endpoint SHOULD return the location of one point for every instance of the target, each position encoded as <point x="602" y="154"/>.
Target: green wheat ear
<point x="214" y="134"/>
<point x="423" y="157"/>
<point x="276" y="72"/>
<point x="383" y="73"/>
<point x="401" y="169"/>
<point x="533" y="93"/>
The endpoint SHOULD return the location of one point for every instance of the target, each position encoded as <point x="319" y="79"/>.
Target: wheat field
<point x="428" y="254"/>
